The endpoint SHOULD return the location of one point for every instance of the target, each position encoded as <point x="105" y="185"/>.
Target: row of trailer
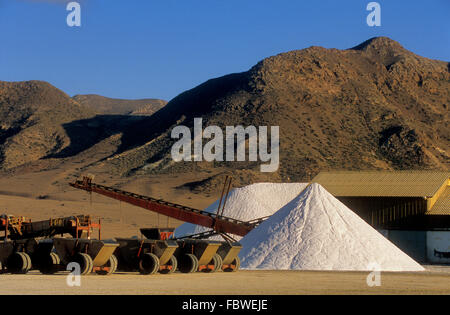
<point x="41" y="246"/>
<point x="30" y="245"/>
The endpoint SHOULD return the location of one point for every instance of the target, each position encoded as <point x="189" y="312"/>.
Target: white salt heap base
<point x="316" y="231"/>
<point x="249" y="203"/>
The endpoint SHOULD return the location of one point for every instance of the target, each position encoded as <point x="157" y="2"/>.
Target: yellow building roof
<point x="383" y="183"/>
<point x="442" y="205"/>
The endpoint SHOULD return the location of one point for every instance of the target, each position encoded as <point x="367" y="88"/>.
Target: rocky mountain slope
<point x="32" y="115"/>
<point x="374" y="106"/>
<point x="38" y="121"/>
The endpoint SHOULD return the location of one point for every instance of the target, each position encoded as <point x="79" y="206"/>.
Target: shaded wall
<point x="386" y="212"/>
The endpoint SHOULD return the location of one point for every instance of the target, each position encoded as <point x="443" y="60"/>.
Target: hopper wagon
<point x="148" y="256"/>
<point x="30" y="245"/>
<point x="190" y="254"/>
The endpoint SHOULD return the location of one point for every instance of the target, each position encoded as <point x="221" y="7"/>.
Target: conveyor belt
<point x="220" y="224"/>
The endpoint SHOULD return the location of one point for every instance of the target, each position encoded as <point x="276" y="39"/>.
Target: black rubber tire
<point x="172" y="262"/>
<point x="149" y="264"/>
<point x="237" y="263"/>
<point x="18" y="263"/>
<point x="189" y="264"/>
<point x="51" y="265"/>
<point x="111" y="264"/>
<point x="85" y="262"/>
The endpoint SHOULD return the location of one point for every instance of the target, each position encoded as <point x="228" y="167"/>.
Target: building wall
<point x="438" y="247"/>
<point x="392" y="213"/>
<point x="422" y="246"/>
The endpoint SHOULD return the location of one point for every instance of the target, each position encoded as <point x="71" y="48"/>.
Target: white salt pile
<point x="249" y="203"/>
<point x="315" y="231"/>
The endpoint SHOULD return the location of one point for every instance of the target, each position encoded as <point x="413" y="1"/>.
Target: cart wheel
<point x="235" y="265"/>
<point x="196" y="264"/>
<point x="173" y="262"/>
<point x="51" y="265"/>
<point x="29" y="264"/>
<point x="189" y="264"/>
<point x="112" y="266"/>
<point x="218" y="262"/>
<point x="85" y="262"/>
<point x="149" y="264"/>
<point x="19" y="263"/>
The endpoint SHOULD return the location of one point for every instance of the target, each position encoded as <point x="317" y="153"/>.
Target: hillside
<point x="39" y="121"/>
<point x="32" y="115"/>
<point x="374" y="106"/>
<point x="111" y="106"/>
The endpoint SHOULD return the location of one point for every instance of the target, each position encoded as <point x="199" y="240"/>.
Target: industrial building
<point x="411" y="208"/>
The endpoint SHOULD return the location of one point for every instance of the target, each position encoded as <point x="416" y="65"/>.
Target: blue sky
<point x="158" y="49"/>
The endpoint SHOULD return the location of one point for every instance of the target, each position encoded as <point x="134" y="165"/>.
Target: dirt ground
<point x="239" y="283"/>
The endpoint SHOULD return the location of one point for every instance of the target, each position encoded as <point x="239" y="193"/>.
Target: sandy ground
<point x="239" y="283"/>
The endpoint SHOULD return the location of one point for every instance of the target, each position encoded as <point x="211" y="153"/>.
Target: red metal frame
<point x="217" y="222"/>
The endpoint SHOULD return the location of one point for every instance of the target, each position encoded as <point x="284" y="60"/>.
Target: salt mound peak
<point x="315" y="231"/>
<point x="249" y="203"/>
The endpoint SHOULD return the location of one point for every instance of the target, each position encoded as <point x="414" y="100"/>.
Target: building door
<point x="412" y="243"/>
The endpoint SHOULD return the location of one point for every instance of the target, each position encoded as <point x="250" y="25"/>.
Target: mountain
<point x="32" y="115"/>
<point x="39" y="121"/>
<point x="111" y="106"/>
<point x="374" y="106"/>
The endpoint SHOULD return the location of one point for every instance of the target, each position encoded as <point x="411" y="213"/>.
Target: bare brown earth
<point x="250" y="283"/>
